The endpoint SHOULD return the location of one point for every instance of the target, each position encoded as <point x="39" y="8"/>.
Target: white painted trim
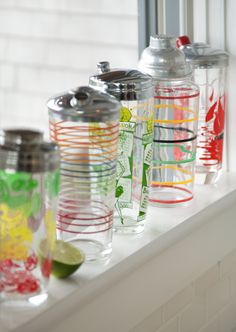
<point x="161" y="17"/>
<point x="230" y="23"/>
<point x="183" y="23"/>
<point x="186" y="18"/>
<point x="200" y="9"/>
<point x="216" y="23"/>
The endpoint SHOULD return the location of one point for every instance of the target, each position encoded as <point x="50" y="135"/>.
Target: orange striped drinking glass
<point x="85" y="124"/>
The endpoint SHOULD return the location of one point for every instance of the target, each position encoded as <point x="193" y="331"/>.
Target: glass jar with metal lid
<point x="85" y="124"/>
<point x="175" y="122"/>
<point x="210" y="71"/>
<point x="29" y="181"/>
<point x="135" y="92"/>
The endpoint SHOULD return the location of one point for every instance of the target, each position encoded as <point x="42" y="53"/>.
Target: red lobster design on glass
<point x="213" y="131"/>
<point x="210" y="69"/>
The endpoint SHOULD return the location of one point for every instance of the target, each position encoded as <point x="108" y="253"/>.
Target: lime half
<point x="66" y="258"/>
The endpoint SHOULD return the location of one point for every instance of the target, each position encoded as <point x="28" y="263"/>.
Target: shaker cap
<point x="24" y="150"/>
<point x="163" y="60"/>
<point x="120" y="82"/>
<point x="84" y="104"/>
<point x="201" y="54"/>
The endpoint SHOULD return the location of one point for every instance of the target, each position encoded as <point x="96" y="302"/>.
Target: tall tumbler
<point x="210" y="70"/>
<point x="29" y="181"/>
<point x="135" y="92"/>
<point x="85" y="124"/>
<point x="175" y="122"/>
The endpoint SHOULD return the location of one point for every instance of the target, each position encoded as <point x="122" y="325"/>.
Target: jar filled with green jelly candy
<point x="135" y="92"/>
<point x="29" y="181"/>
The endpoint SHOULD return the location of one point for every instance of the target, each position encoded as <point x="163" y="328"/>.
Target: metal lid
<point x="24" y="150"/>
<point x="201" y="54"/>
<point x="163" y="60"/>
<point x="84" y="104"/>
<point x="121" y="83"/>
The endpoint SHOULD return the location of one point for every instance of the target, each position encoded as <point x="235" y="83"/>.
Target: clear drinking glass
<point x="210" y="73"/>
<point x="175" y="122"/>
<point x="135" y="92"/>
<point x="212" y="107"/>
<point x="134" y="161"/>
<point x="175" y="136"/>
<point x="29" y="181"/>
<point x="85" y="124"/>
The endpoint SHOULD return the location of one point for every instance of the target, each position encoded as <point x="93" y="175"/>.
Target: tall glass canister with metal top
<point x="29" y="182"/>
<point x="135" y="92"/>
<point x="85" y="124"/>
<point x="175" y="122"/>
<point x="210" y="71"/>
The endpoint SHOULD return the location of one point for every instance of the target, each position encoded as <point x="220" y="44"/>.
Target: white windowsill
<point x="177" y="246"/>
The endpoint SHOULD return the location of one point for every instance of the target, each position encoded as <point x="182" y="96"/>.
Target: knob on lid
<point x="119" y="79"/>
<point x="182" y="40"/>
<point x="84" y="104"/>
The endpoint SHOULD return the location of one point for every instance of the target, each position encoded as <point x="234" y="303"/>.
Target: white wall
<point x="208" y="304"/>
<point x="48" y="46"/>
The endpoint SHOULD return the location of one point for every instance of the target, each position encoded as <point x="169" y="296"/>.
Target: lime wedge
<point x="66" y="258"/>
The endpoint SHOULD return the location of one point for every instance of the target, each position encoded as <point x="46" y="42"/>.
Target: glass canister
<point x="85" y="124"/>
<point x="29" y="181"/>
<point x="175" y="122"/>
<point x="135" y="92"/>
<point x="210" y="70"/>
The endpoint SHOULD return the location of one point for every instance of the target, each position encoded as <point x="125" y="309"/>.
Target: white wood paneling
<point x="161" y="17"/>
<point x="230" y="42"/>
<point x="230" y="27"/>
<point x="186" y="18"/>
<point x="216" y="23"/>
<point x="182" y="17"/>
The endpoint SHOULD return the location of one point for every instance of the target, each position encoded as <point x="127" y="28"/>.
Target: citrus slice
<point x="125" y="114"/>
<point x="66" y="258"/>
